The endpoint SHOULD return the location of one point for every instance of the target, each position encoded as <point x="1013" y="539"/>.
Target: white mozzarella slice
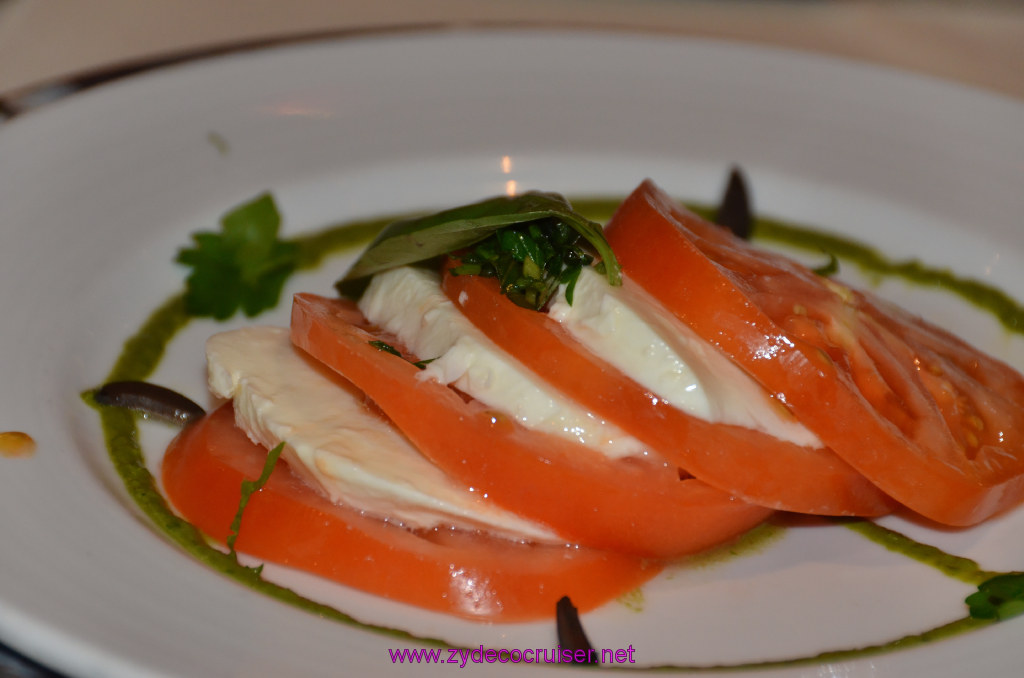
<point x="354" y="455"/>
<point x="409" y="303"/>
<point x="629" y="329"/>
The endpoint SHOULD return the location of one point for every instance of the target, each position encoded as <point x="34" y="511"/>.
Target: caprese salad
<point x="508" y="403"/>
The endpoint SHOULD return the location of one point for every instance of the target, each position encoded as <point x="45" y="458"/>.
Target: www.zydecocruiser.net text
<point x="462" y="657"/>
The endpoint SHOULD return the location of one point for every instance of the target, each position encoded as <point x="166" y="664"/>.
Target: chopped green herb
<point x="219" y="142"/>
<point x="537" y="218"/>
<point x="386" y="347"/>
<point x="248" y="488"/>
<point x="530" y="262"/>
<point x="829" y="269"/>
<point x="569" y="278"/>
<point x="244" y="266"/>
<point x="1000" y="597"/>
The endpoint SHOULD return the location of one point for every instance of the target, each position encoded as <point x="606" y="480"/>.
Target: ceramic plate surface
<point x="99" y="191"/>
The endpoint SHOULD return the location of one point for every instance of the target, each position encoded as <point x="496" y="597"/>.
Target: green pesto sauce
<point x="141" y="354"/>
<point x="939" y="633"/>
<point x="981" y="295"/>
<point x="752" y="541"/>
<point x="954" y="567"/>
<point x="634" y="600"/>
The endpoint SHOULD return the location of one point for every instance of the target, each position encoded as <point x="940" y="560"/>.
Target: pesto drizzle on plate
<point x="139" y="358"/>
<point x="142" y="353"/>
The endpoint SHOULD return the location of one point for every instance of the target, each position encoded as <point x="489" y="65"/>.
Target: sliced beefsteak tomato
<point x="930" y="420"/>
<point x="629" y="505"/>
<point x="747" y="463"/>
<point x="287" y="522"/>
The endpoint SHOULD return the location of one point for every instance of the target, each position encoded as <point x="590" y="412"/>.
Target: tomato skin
<point x="287" y="522"/>
<point x="930" y="420"/>
<point x="755" y="466"/>
<point x="628" y="506"/>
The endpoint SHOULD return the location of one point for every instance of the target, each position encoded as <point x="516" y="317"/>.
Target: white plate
<point x="98" y="192"/>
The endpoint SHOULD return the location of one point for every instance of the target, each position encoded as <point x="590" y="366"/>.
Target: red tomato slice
<point x="933" y="422"/>
<point x="629" y="506"/>
<point x="287" y="522"/>
<point x="752" y="465"/>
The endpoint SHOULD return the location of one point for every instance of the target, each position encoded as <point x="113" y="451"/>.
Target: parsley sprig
<point x="244" y="266"/>
<point x="999" y="597"/>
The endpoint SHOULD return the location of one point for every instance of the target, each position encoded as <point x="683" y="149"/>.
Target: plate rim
<point x="177" y="70"/>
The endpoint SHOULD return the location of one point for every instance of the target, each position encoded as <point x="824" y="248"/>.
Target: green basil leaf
<point x="415" y="240"/>
<point x="250" y="487"/>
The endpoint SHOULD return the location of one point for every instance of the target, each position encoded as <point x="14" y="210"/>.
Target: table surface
<point x="978" y="42"/>
<point x="975" y="42"/>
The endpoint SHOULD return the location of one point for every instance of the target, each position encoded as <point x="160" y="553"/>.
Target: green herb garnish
<point x="248" y="488"/>
<point x="1000" y="597"/>
<point x="386" y="347"/>
<point x="829" y="269"/>
<point x="542" y="221"/>
<point x="530" y="262"/>
<point x="244" y="266"/>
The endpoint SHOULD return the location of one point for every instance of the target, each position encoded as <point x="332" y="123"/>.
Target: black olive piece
<point x="570" y="630"/>
<point x="150" y="399"/>
<point x="734" y="211"/>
